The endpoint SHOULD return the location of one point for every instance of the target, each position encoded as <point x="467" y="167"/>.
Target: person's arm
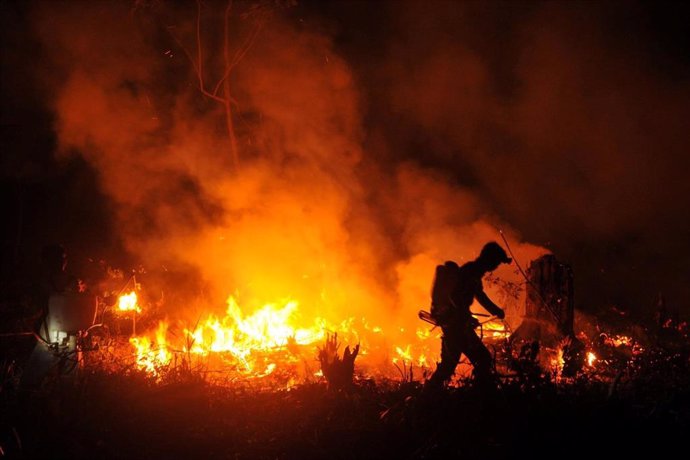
<point x="491" y="307"/>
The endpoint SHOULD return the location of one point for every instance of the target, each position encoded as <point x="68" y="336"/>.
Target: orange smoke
<point x="311" y="233"/>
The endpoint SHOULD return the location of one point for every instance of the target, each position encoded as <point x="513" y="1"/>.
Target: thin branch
<point x="226" y="85"/>
<point x="239" y="55"/>
<point x="200" y="58"/>
<point x="228" y="68"/>
<point x="226" y="47"/>
<point x="197" y="69"/>
<point x="200" y="68"/>
<point x="184" y="48"/>
<point x="220" y="82"/>
<point x="242" y="51"/>
<point x="551" y="308"/>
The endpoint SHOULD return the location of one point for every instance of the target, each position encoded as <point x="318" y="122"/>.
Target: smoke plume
<point x="310" y="213"/>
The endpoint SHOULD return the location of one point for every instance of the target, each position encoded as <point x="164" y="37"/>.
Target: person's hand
<point x="501" y="314"/>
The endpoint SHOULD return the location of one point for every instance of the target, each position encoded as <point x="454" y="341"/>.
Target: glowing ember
<point x="128" y="302"/>
<point x="591" y="358"/>
<point x="618" y="341"/>
<point x="557" y="363"/>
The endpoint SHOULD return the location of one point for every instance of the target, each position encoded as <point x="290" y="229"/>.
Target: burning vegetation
<point x="276" y="347"/>
<point x="267" y="225"/>
<point x="269" y="383"/>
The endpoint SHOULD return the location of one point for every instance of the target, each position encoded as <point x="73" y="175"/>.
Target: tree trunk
<point x="550" y="303"/>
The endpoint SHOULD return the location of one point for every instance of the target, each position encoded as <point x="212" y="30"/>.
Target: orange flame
<point x="149" y="357"/>
<point x="276" y="336"/>
<point x="257" y="344"/>
<point x="495" y="329"/>
<point x="557" y="363"/>
<point x="268" y="329"/>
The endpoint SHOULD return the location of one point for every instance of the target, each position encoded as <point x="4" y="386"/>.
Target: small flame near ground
<point x="152" y="356"/>
<point x="557" y="363"/>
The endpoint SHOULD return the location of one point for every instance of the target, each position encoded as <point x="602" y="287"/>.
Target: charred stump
<point x="550" y="303"/>
<point x="550" y="294"/>
<point x="550" y="310"/>
<point x="338" y="372"/>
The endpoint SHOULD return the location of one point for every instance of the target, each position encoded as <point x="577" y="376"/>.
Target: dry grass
<point x="194" y="410"/>
<point x="107" y="414"/>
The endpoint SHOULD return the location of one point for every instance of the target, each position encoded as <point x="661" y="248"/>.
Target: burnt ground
<point x="126" y="416"/>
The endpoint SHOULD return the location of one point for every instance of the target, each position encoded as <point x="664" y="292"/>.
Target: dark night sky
<point x="568" y="120"/>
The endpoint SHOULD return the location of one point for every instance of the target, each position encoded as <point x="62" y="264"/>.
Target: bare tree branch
<point x="229" y="64"/>
<point x="239" y="55"/>
<point x="197" y="68"/>
<point x="226" y="86"/>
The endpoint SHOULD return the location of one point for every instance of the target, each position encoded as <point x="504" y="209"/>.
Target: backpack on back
<point x="445" y="280"/>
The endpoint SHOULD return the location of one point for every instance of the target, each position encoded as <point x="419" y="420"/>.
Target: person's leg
<point x="481" y="360"/>
<point x="451" y="349"/>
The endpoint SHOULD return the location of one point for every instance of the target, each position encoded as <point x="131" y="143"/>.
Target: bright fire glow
<point x="128" y="302"/>
<point x="403" y="354"/>
<point x="277" y="336"/>
<point x="268" y="329"/>
<point x="152" y="356"/>
<point x="495" y="329"/>
<point x="591" y="358"/>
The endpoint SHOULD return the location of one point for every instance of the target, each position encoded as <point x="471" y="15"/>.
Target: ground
<point x="128" y="415"/>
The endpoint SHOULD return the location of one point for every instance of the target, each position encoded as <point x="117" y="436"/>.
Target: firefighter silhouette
<point x="453" y="292"/>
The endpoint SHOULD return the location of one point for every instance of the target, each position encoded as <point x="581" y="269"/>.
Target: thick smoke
<point x="311" y="213"/>
<point x="569" y="118"/>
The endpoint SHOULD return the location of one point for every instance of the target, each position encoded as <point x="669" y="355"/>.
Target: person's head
<point x="492" y="256"/>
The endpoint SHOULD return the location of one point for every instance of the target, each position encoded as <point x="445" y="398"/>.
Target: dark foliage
<point x="116" y="415"/>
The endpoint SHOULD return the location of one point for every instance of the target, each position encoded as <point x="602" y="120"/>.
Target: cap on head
<point x="493" y="252"/>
